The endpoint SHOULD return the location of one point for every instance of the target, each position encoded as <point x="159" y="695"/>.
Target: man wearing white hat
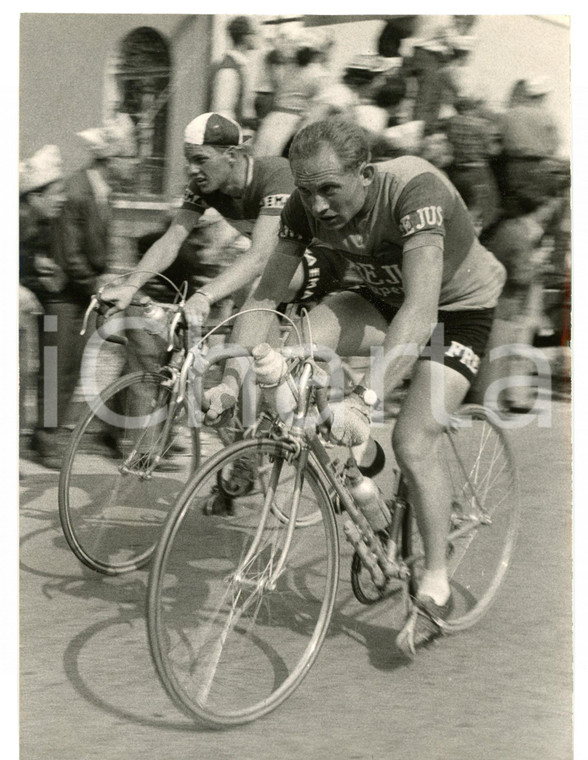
<point x="250" y="194"/>
<point x="87" y="214"/>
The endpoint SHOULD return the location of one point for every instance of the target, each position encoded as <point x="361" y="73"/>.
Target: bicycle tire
<point x="226" y="656"/>
<point x="484" y="483"/>
<point x="112" y="519"/>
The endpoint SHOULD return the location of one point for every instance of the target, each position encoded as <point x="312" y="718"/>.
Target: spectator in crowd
<point x="112" y="148"/>
<point x="28" y="310"/>
<point x="458" y="78"/>
<point x="297" y="100"/>
<point x="424" y="68"/>
<point x="448" y="44"/>
<point x="41" y="201"/>
<point x="80" y="256"/>
<point x="473" y="146"/>
<point x="231" y="86"/>
<point x="521" y="245"/>
<point x="365" y="76"/>
<point x="436" y="149"/>
<point x="529" y="140"/>
<point x="391" y="37"/>
<point x="272" y="75"/>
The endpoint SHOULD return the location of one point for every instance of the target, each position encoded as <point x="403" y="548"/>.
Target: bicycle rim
<point x="112" y="501"/>
<point x="485" y="512"/>
<point x="228" y="648"/>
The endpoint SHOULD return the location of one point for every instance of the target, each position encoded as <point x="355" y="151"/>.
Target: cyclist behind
<point x="429" y="291"/>
<point x="250" y="194"/>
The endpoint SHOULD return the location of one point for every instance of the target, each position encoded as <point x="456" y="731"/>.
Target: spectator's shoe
<point x="424" y="623"/>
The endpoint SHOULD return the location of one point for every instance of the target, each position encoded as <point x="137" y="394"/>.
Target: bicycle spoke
<point x="239" y="604"/>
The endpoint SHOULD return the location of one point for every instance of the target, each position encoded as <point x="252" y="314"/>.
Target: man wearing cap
<point x="88" y="212"/>
<point x="250" y="194"/>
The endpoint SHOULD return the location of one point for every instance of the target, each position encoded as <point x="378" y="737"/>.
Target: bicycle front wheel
<point x="122" y="472"/>
<point x="239" y="602"/>
<point x="485" y="512"/>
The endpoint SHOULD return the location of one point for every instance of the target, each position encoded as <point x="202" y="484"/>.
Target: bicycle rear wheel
<point x="485" y="512"/>
<point x="229" y="641"/>
<point x="112" y="499"/>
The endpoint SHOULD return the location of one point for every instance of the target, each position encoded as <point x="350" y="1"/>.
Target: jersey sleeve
<point x="294" y="223"/>
<point x="276" y="190"/>
<point x="192" y="200"/>
<point x="421" y="210"/>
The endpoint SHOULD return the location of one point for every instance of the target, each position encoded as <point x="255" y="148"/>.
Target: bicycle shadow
<point x="36" y="485"/>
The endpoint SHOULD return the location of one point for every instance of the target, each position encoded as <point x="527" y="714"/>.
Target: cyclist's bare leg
<point x="349" y="325"/>
<point x="416" y="441"/>
<point x="346" y="323"/>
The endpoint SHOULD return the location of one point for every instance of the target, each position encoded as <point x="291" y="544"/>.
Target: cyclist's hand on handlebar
<point x="219" y="403"/>
<point x="197" y="308"/>
<point x="118" y="297"/>
<point x="350" y="421"/>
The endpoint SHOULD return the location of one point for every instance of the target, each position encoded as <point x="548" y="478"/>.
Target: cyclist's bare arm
<point x="158" y="258"/>
<point x="243" y="271"/>
<point x="252" y="329"/>
<point x="411" y="328"/>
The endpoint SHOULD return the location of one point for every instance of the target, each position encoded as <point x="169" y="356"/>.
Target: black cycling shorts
<point x="458" y="341"/>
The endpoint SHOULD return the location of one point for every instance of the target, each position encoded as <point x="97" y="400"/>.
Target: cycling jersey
<point x="267" y="189"/>
<point x="410" y="204"/>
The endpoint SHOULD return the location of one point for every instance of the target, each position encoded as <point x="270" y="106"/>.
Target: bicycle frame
<point x="384" y="563"/>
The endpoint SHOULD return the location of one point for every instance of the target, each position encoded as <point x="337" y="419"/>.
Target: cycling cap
<point x="41" y="169"/>
<point x="213" y="129"/>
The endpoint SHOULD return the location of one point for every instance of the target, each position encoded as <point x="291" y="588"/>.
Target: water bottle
<point x="155" y="313"/>
<point x="270" y="367"/>
<point x="367" y="497"/>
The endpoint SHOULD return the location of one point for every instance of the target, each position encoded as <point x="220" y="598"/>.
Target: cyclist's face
<point x="331" y="193"/>
<point x="49" y="200"/>
<point x="210" y="167"/>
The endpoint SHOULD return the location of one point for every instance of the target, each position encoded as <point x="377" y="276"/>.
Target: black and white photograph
<point x="296" y="459"/>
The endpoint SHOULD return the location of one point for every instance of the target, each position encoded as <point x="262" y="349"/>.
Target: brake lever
<point x="94" y="302"/>
<point x="172" y="329"/>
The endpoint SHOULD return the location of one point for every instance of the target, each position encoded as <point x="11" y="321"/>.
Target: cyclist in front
<point x="428" y="295"/>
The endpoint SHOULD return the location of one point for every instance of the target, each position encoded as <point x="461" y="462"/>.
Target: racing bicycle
<point x="239" y="602"/>
<point x="136" y="443"/>
<point x="141" y="437"/>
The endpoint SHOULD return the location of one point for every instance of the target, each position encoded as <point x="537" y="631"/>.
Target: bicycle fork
<point x="175" y="399"/>
<point x="269" y="581"/>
